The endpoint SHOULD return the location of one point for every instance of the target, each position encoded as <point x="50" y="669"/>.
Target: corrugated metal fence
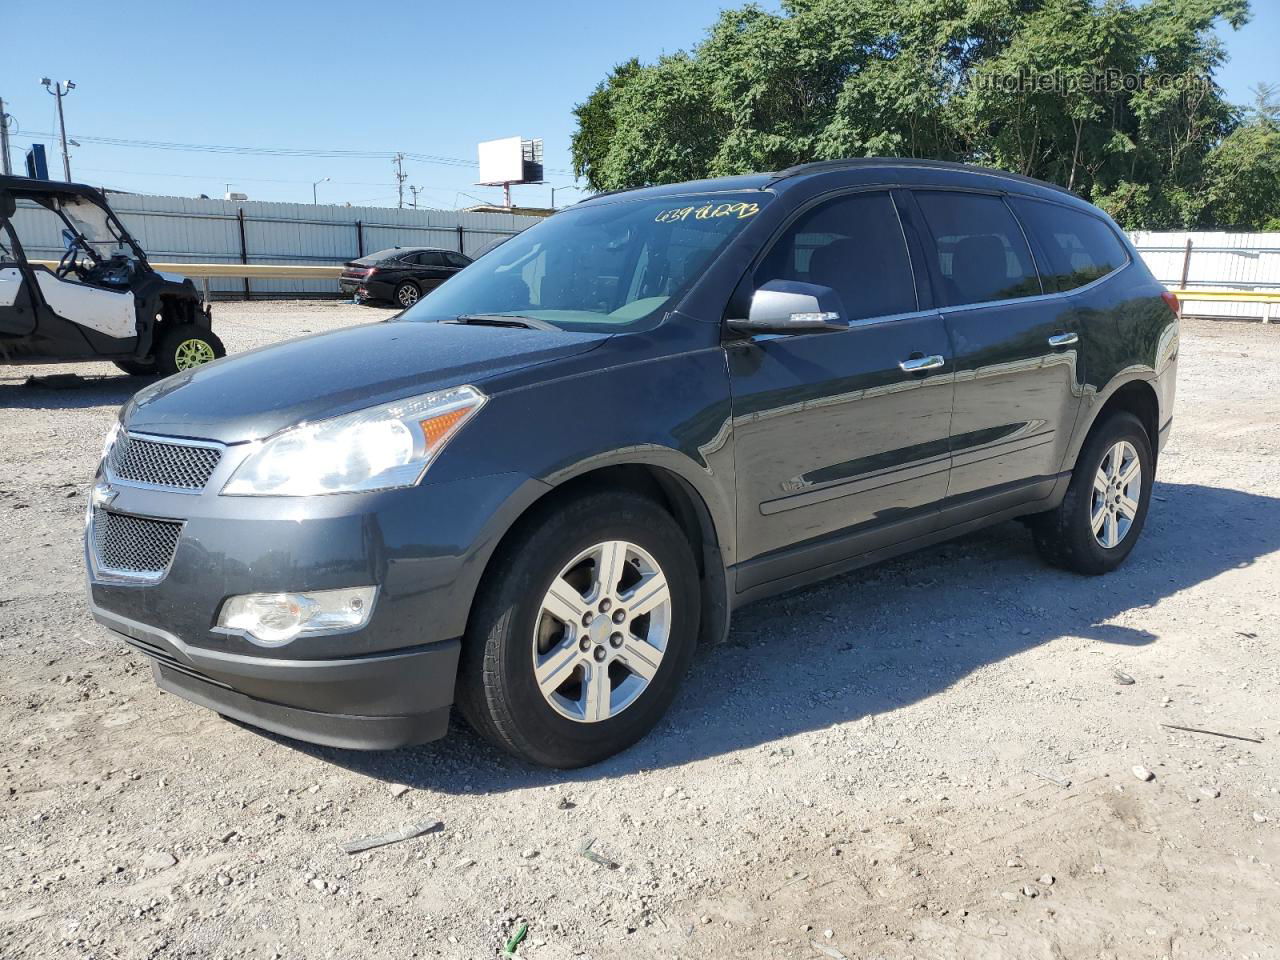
<point x="1214" y="261"/>
<point x="189" y="230"/>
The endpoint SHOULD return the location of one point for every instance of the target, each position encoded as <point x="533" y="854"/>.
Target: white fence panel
<point x="194" y="230"/>
<point x="1214" y="261"/>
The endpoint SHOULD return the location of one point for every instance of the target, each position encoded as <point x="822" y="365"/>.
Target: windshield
<point x="599" y="267"/>
<point x="92" y="225"/>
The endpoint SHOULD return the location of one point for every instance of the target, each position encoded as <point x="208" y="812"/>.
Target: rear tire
<point x="137" y="368"/>
<point x="1099" y="521"/>
<point x="527" y="671"/>
<point x="407" y="294"/>
<point x="186" y="346"/>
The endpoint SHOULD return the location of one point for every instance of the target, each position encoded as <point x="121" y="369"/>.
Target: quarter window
<point x="1080" y="248"/>
<point x="980" y="250"/>
<point x="854" y="245"/>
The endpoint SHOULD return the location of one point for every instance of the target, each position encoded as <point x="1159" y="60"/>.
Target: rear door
<point x="837" y="448"/>
<point x="1018" y="380"/>
<point x="432" y="270"/>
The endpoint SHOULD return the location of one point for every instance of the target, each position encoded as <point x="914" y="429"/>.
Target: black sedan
<point x="400" y="275"/>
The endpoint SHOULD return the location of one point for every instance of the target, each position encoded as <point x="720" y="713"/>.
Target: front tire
<point x="583" y="631"/>
<point x="1099" y="521"/>
<point x="186" y="346"/>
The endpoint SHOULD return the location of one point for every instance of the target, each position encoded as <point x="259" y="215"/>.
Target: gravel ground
<point x="930" y="758"/>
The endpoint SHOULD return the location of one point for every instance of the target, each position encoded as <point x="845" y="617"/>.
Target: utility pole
<point x="5" y="167"/>
<point x="415" y="190"/>
<point x="401" y="177"/>
<point x="60" y="90"/>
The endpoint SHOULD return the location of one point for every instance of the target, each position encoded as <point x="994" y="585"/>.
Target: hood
<point x="252" y="395"/>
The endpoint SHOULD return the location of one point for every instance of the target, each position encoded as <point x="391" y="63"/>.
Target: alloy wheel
<point x="407" y="295"/>
<point x="1117" y="491"/>
<point x="192" y="353"/>
<point x="601" y="631"/>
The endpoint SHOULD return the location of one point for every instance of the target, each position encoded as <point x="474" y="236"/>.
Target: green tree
<point x="1243" y="171"/>
<point x="1009" y="83"/>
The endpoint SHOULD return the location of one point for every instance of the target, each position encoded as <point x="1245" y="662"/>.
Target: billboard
<point x="510" y="160"/>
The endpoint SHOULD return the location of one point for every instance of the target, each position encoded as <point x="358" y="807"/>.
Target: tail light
<point x="360" y="272"/>
<point x="1171" y="299"/>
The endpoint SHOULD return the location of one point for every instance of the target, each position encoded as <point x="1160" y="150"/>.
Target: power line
<point x="278" y="151"/>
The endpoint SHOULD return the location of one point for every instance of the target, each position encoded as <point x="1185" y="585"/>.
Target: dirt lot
<point x="926" y="759"/>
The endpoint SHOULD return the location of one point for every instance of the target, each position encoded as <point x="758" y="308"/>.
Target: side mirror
<point x="7" y="204"/>
<point x="789" y="306"/>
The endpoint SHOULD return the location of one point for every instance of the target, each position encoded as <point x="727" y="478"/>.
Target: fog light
<point x="273" y="619"/>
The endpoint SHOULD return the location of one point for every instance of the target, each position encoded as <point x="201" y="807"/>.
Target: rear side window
<point x="980" y="250"/>
<point x="854" y="245"/>
<point x="1080" y="248"/>
<point x="431" y="258"/>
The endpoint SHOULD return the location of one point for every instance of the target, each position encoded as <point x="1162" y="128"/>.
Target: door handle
<point x="917" y="364"/>
<point x="1063" y="339"/>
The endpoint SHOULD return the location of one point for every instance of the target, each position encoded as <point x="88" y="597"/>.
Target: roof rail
<point x="821" y="166"/>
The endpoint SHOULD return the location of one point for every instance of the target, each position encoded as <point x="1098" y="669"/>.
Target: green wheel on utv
<point x="187" y="346"/>
<point x="180" y="348"/>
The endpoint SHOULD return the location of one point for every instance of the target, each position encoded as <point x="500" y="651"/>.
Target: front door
<point x="17" y="312"/>
<point x="1018" y="382"/>
<point x="838" y="449"/>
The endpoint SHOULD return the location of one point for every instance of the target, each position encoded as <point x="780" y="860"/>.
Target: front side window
<point x="1080" y="248"/>
<point x="854" y="245"/>
<point x="606" y="266"/>
<point x="457" y="260"/>
<point x="980" y="251"/>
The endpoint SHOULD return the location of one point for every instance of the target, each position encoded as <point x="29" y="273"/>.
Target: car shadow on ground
<point x="881" y="638"/>
<point x="67" y="391"/>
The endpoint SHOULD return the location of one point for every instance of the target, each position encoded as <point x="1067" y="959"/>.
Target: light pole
<point x="5" y="167"/>
<point x="314" y="200"/>
<point x="415" y="191"/>
<point x="60" y="90"/>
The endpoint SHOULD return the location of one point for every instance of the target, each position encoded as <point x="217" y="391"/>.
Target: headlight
<point x="375" y="449"/>
<point x="273" y="619"/>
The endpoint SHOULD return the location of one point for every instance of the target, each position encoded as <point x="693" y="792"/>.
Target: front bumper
<point x="387" y="684"/>
<point x="375" y="702"/>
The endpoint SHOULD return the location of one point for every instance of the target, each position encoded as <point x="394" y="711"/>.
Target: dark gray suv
<point x="534" y="491"/>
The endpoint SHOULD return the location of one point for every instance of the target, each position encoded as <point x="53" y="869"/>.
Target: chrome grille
<point x="181" y="466"/>
<point x="135" y="547"/>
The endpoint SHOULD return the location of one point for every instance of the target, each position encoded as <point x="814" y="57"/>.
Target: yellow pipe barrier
<point x="265" y="271"/>
<point x="1241" y="296"/>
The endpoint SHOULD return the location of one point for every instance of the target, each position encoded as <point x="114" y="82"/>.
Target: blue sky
<point x="432" y="79"/>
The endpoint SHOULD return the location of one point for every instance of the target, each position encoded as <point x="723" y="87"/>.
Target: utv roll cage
<point x="111" y="306"/>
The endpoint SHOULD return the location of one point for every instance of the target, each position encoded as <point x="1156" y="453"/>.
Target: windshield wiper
<point x="502" y="320"/>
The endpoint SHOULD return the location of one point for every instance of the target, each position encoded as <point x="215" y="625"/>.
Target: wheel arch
<point x="1137" y="395"/>
<point x="671" y="491"/>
